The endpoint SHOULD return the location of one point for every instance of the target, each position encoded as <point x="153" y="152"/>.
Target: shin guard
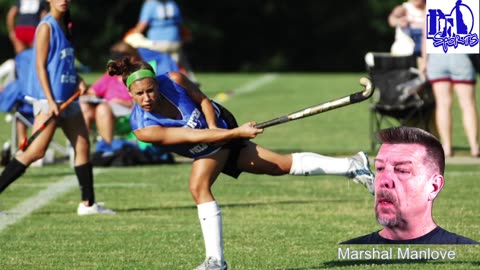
<point x="85" y="180"/>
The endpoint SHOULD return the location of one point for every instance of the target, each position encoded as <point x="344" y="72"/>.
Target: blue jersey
<point x="60" y="65"/>
<point x="14" y="93"/>
<point x="160" y="62"/>
<point x="191" y="117"/>
<point x="163" y="19"/>
<point x="23" y="61"/>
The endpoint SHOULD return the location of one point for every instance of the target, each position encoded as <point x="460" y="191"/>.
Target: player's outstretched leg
<point x="356" y="167"/>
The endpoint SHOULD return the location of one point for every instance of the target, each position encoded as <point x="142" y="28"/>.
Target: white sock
<point x="314" y="164"/>
<point x="211" y="223"/>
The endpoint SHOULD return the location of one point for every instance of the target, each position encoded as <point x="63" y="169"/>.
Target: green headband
<point x="139" y="74"/>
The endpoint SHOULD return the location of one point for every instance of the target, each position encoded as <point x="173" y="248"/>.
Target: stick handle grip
<point x="273" y="122"/>
<point x="357" y="97"/>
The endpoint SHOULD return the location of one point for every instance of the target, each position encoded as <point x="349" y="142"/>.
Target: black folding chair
<point x="403" y="97"/>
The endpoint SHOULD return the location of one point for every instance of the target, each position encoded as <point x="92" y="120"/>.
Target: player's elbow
<point x="145" y="135"/>
<point x="176" y="77"/>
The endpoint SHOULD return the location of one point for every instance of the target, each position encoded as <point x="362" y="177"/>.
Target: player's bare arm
<point x="42" y="48"/>
<point x="169" y="136"/>
<point x="398" y="17"/>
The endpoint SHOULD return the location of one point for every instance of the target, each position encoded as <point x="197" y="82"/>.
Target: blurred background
<point x="242" y="36"/>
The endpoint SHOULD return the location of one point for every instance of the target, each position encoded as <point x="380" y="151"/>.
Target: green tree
<point x="247" y="35"/>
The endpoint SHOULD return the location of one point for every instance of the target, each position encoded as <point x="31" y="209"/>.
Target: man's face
<point x="401" y="184"/>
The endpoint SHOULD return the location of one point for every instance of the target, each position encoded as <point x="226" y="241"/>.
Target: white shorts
<point x="41" y="105"/>
<point x="119" y="110"/>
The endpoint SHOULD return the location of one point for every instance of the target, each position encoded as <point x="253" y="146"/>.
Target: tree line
<point x="243" y="36"/>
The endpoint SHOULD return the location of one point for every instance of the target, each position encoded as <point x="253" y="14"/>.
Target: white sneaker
<point x="360" y="171"/>
<point x="212" y="263"/>
<point x="96" y="208"/>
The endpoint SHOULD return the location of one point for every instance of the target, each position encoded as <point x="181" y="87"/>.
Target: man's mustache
<point x="385" y="196"/>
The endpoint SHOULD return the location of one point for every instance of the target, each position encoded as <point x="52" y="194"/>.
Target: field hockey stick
<point x="327" y="106"/>
<point x="23" y="146"/>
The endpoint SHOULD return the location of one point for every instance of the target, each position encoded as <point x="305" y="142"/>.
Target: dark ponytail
<point x="124" y="67"/>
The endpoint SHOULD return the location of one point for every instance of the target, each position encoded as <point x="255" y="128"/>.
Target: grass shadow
<point x="224" y="206"/>
<point x="46" y="212"/>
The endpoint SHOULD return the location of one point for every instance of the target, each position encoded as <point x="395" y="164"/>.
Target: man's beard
<point x="388" y="221"/>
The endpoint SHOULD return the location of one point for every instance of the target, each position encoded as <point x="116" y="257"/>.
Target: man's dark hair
<point x="411" y="135"/>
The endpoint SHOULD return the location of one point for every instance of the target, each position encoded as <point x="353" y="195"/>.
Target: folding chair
<point x="403" y="97"/>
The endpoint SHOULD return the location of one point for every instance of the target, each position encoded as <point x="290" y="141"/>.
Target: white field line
<point x="126" y="184"/>
<point x="255" y="84"/>
<point x="246" y="88"/>
<point x="43" y="197"/>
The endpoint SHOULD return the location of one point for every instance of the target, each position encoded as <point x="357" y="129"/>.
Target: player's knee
<point x="82" y="147"/>
<point x="103" y="110"/>
<point x="198" y="189"/>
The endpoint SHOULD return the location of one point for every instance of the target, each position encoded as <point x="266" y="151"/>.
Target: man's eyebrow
<point x="404" y="162"/>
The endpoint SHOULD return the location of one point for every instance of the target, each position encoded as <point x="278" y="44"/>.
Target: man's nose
<point x="385" y="180"/>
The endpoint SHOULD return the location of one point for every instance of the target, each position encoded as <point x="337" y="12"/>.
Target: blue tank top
<point x="160" y="62"/>
<point x="60" y="65"/>
<point x="191" y="117"/>
<point x="163" y="19"/>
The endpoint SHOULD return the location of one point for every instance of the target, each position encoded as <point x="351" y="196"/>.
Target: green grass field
<point x="283" y="222"/>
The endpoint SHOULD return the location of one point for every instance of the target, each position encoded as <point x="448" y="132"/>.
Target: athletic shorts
<point x="25" y="34"/>
<point x="72" y="110"/>
<point x="119" y="110"/>
<point x="455" y="68"/>
<point x="235" y="145"/>
<point x="26" y="110"/>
